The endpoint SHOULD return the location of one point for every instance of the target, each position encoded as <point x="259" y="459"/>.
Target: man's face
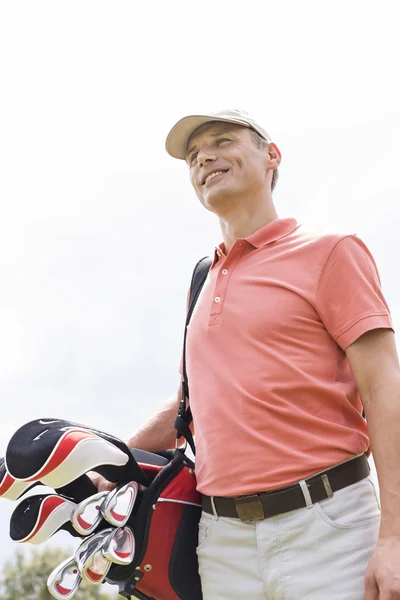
<point x="225" y="164"/>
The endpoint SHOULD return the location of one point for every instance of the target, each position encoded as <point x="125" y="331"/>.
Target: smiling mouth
<point x="213" y="175"/>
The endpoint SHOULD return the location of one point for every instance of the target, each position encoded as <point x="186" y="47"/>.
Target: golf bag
<point x="161" y="518"/>
<point x="162" y="514"/>
<point x="165" y="526"/>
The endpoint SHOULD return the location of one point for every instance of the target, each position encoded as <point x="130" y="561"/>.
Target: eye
<point x="222" y="140"/>
<point x="192" y="158"/>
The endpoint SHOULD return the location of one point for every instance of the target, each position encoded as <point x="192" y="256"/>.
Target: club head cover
<point x="119" y="546"/>
<point x="78" y="490"/>
<point x="10" y="488"/>
<point x="39" y="517"/>
<point x="64" y="581"/>
<point x="57" y="452"/>
<point x="92" y="565"/>
<point x="117" y="507"/>
<point x="87" y="515"/>
<point x="13" y="489"/>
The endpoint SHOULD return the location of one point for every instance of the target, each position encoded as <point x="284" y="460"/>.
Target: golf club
<point x="64" y="581"/>
<point x="87" y="514"/>
<point x="10" y="488"/>
<point x="92" y="565"/>
<point x="117" y="507"/>
<point x="56" y="452"/>
<point x="37" y="518"/>
<point x="119" y="546"/>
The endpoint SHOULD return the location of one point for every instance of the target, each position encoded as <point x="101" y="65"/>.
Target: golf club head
<point x="119" y="546"/>
<point x="92" y="565"/>
<point x="64" y="581"/>
<point x="119" y="503"/>
<point x="37" y="518"/>
<point x="10" y="488"/>
<point x="87" y="514"/>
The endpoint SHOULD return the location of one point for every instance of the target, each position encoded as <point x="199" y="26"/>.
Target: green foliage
<point x="25" y="576"/>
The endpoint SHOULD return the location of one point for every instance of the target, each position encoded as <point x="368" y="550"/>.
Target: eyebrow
<point x="214" y="135"/>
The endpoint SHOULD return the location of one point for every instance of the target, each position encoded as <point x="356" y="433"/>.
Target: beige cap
<point x="178" y="138"/>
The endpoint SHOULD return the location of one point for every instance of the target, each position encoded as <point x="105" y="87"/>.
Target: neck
<point x="245" y="222"/>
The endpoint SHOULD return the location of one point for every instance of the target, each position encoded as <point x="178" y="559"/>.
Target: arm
<point x="375" y="366"/>
<point x="158" y="433"/>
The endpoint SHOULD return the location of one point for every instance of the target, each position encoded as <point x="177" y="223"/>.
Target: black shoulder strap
<point x="184" y="417"/>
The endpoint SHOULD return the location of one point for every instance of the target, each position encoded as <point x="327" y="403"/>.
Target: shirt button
<point x="240" y="245"/>
<point x="217" y="299"/>
<point x="224" y="271"/>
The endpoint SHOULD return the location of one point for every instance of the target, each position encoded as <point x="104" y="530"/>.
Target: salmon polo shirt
<point x="271" y="391"/>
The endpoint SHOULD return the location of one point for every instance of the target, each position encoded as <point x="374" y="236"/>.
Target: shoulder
<point x="323" y="251"/>
<point x="324" y="242"/>
<point x="321" y="236"/>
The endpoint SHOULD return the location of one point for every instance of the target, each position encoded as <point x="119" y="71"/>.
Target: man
<point x="291" y="332"/>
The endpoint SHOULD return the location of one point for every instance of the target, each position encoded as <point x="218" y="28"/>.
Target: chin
<point x="217" y="200"/>
<point x="218" y="193"/>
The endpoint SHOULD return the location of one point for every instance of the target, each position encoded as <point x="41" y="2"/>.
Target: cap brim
<point x="178" y="138"/>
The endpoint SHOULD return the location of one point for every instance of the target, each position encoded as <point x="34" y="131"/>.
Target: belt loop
<point x="213" y="507"/>
<point x="306" y="493"/>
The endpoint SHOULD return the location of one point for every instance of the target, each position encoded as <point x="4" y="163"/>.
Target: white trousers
<point x="315" y="553"/>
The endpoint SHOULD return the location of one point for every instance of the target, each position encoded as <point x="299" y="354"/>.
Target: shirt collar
<point x="272" y="232"/>
<point x="265" y="235"/>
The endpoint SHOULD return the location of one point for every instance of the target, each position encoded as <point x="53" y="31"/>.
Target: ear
<point x="274" y="156"/>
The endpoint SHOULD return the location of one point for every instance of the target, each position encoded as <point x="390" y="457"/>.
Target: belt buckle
<point x="327" y="485"/>
<point x="249" y="508"/>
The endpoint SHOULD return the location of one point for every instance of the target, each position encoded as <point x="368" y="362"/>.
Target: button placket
<point x="222" y="283"/>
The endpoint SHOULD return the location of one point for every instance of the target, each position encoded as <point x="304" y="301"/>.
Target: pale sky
<point x="99" y="227"/>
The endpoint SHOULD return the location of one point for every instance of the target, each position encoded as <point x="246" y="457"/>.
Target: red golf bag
<point x="166" y="532"/>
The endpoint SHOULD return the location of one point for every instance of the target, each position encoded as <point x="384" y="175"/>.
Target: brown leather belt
<point x="269" y="504"/>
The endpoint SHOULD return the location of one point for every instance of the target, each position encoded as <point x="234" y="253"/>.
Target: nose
<point x="206" y="155"/>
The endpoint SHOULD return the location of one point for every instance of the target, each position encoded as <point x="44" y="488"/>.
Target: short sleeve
<point x="349" y="299"/>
